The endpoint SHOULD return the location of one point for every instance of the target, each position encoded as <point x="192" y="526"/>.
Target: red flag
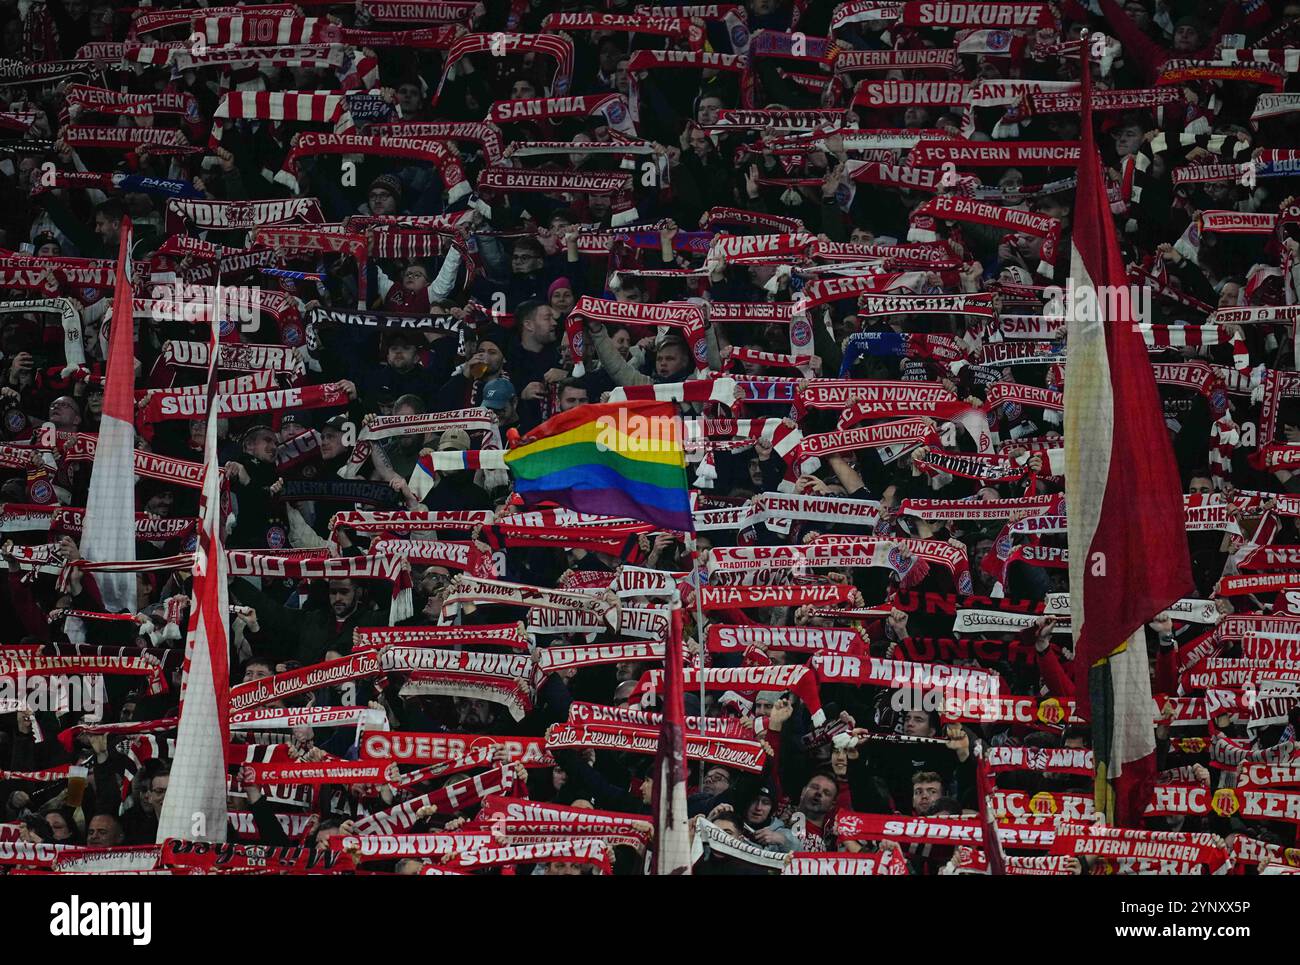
<point x="195" y="806"/>
<point x="1127" y="560"/>
<point x="997" y="859"/>
<point x="672" y="839"/>
<point x="110" y="505"/>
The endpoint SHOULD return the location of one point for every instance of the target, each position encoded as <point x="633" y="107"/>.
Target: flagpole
<point x="196" y="807"/>
<point x="1102" y="791"/>
<point x="993" y="852"/>
<point x="671" y="853"/>
<point x="699" y="606"/>
<point x="694" y="547"/>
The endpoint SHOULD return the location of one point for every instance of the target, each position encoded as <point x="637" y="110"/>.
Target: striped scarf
<point x="1196" y="336"/>
<point x="311" y="106"/>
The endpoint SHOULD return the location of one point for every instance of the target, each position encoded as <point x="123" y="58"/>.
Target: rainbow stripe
<point x="615" y="459"/>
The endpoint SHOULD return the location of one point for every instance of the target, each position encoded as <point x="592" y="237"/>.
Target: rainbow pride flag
<point x="615" y="459"/>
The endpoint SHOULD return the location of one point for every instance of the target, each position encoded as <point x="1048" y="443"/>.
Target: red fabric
<point x="31" y="616"/>
<point x="1056" y="679"/>
<point x="1165" y="680"/>
<point x="1144" y="571"/>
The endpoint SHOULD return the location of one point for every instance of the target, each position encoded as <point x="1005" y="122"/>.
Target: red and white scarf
<point x="310" y="144"/>
<point x="734" y="639"/>
<point x="852" y="61"/>
<point x="168" y="407"/>
<point x="680" y="28"/>
<point x="1274" y="105"/>
<point x="509" y="635"/>
<point x="474" y="592"/>
<point x="793" y="677"/>
<point x="753" y="597"/>
<point x="451" y="797"/>
<point x="318" y="676"/>
<point x="499" y="177"/>
<point x="904" y="432"/>
<point x="160" y="140"/>
<point x="995" y="154"/>
<point x="592" y="851"/>
<point x="585" y="713"/>
<point x="147" y="21"/>
<point x="559" y="48"/>
<point x="936" y="13"/>
<point x="905" y="93"/>
<point x="488" y="136"/>
<point x="421" y="11"/>
<point x="745" y="755"/>
<point x="12" y="664"/>
<point x="319" y="107"/>
<point x="385" y="427"/>
<point x="781" y="120"/>
<point x="682" y="315"/>
<point x="100" y="100"/>
<point x="613" y="107"/>
<point x="954" y="208"/>
<point x="839" y="863"/>
<point x="239" y="215"/>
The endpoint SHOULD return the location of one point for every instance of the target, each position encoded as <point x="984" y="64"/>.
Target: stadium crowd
<point x="827" y="232"/>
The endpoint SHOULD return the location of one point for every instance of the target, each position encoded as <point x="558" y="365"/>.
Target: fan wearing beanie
<point x="385" y="194"/>
<point x="562" y="297"/>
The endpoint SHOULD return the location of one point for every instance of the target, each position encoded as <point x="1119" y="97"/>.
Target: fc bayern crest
<point x="701" y="350"/>
<point x="1003" y="546"/>
<point x="615" y="113"/>
<point x="15" y="420"/>
<point x="899" y="563"/>
<point x="276" y="537"/>
<point x="998" y="40"/>
<point x="801" y="332"/>
<point x="739" y="37"/>
<point x="41" y="491"/>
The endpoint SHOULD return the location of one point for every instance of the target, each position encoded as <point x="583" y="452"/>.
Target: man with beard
<point x="401" y="373"/>
<point x="395" y="457"/>
<point x="465" y="387"/>
<point x="533" y="360"/>
<point x="307" y="635"/>
<point x="813" y="821"/>
<point x="334" y="450"/>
